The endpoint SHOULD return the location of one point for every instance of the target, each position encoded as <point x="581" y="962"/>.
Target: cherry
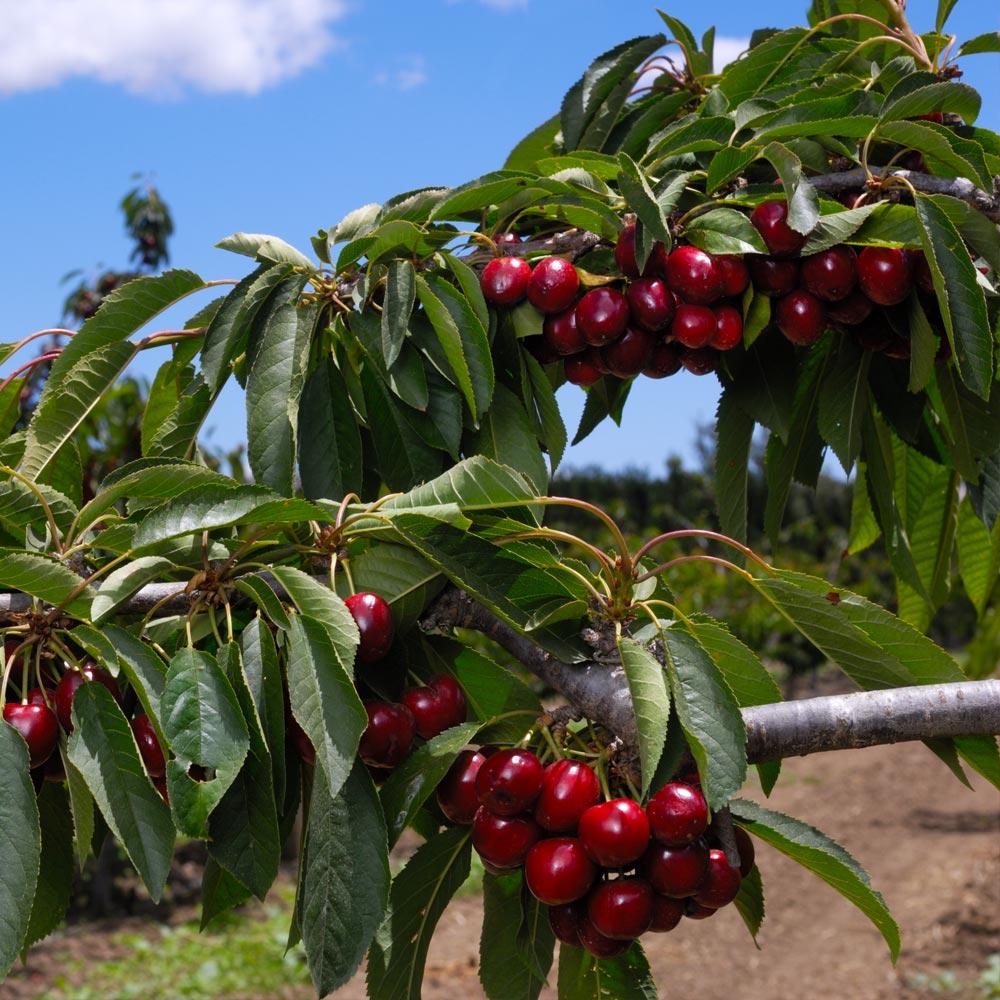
<point x="53" y="769"/>
<point x="614" y="833"/>
<point x="745" y="846"/>
<point x="722" y="881"/>
<point x="374" y="621"/>
<point x="452" y="697"/>
<point x="852" y="199"/>
<point x="388" y="736"/>
<point x="553" y="285"/>
<point x="772" y="276"/>
<point x="932" y="116"/>
<point x="676" y="871"/>
<point x="430" y="713"/>
<point x="558" y="871"/>
<point x="71" y="680"/>
<point x="509" y="781"/>
<point x="700" y="362"/>
<point x="667" y="914"/>
<point x="735" y="276"/>
<point x="897" y="347"/>
<point x="540" y="349"/>
<point x="922" y="271"/>
<point x="503" y="841"/>
<point x="602" y="315"/>
<point x="504" y="280"/>
<point x="651" y="303"/>
<point x="872" y="336"/>
<point x="38" y="727"/>
<point x="728" y="328"/>
<point x="506" y="239"/>
<point x="693" y="326"/>
<point x="569" y="788"/>
<point x="562" y="334"/>
<point x="622" y="909"/>
<point x="693" y="274"/>
<point x="628" y="355"/>
<point x="664" y="361"/>
<point x="307" y="752"/>
<point x="149" y="746"/>
<point x="832" y="274"/>
<point x="596" y="357"/>
<point x="678" y="814"/>
<point x="856" y="308"/>
<point x="581" y="371"/>
<point x="885" y="274"/>
<point x="801" y="318"/>
<point x="769" y="219"/>
<point x="456" y="795"/>
<point x="592" y="940"/>
<point x="625" y="255"/>
<point x="695" y="911"/>
<point x="565" y="922"/>
<point x="160" y="784"/>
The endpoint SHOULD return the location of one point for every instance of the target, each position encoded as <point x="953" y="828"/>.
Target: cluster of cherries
<point x="609" y="871"/>
<point x="685" y="306"/>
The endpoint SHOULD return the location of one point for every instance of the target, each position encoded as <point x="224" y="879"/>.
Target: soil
<point x="931" y="846"/>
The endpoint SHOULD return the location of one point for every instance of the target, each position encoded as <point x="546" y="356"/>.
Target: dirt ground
<point x="931" y="846"/>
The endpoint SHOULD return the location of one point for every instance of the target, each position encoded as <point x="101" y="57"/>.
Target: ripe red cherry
<point x="772" y="276"/>
<point x="628" y="355"/>
<point x="625" y="255"/>
<point x="66" y="689"/>
<point x="456" y="795"/>
<point x="389" y="735"/>
<point x="678" y="814"/>
<point x="509" y="781"/>
<point x="885" y="274"/>
<point x="695" y="911"/>
<point x="651" y="303"/>
<point x="769" y="219"/>
<point x="932" y="116"/>
<point x="562" y="334"/>
<point x="856" y="308"/>
<point x="898" y="348"/>
<point x="873" y="336"/>
<point x="747" y="853"/>
<point x="602" y="315"/>
<point x="149" y="746"/>
<point x="553" y="285"/>
<point x="722" y="881"/>
<point x="565" y="922"/>
<point x="593" y="941"/>
<point x="569" y="788"/>
<point x="622" y="909"/>
<point x="38" y="727"/>
<point x="832" y="274"/>
<point x="506" y="239"/>
<point x="693" y="326"/>
<point x="374" y="621"/>
<point x="728" y="328"/>
<point x="581" y="371"/>
<point x="504" y="280"/>
<point x="675" y="871"/>
<point x="540" y="349"/>
<point x="614" y="833"/>
<point x="801" y="318"/>
<point x="306" y="751"/>
<point x="667" y="914"/>
<point x="735" y="276"/>
<point x="452" y="697"/>
<point x="53" y="769"/>
<point x="503" y="842"/>
<point x="663" y="362"/>
<point x="558" y="870"/>
<point x="922" y="271"/>
<point x="693" y="274"/>
<point x="700" y="362"/>
<point x="430" y="714"/>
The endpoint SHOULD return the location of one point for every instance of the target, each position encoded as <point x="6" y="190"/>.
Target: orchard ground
<point x="932" y="847"/>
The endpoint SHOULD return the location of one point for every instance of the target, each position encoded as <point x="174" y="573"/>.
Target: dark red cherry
<point x="614" y="833"/>
<point x="885" y="274"/>
<point x="932" y="116"/>
<point x="430" y="714"/>
<point x="503" y="841"/>
<point x="694" y="276"/>
<point x="565" y="922"/>
<point x="728" y="328"/>
<point x="306" y="751"/>
<point x="898" y="348"/>
<point x="621" y="909"/>
<point x="53" y="769"/>
<point x="693" y="326"/>
<point x="558" y="871"/>
<point x="38" y="727"/>
<point x="769" y="218"/>
<point x="67" y="687"/>
<point x="389" y="735"/>
<point x="735" y="276"/>
<point x="772" y="276"/>
<point x="580" y="370"/>
<point x="801" y="318"/>
<point x="872" y="335"/>
<point x="852" y="198"/>
<point x="663" y="362"/>
<point x="374" y="620"/>
<point x="628" y="355"/>
<point x="747" y="853"/>
<point x="452" y="697"/>
<point x="553" y="285"/>
<point x="149" y="746"/>
<point x="160" y="784"/>
<point x="650" y="303"/>
<point x="593" y="941"/>
<point x="921" y="271"/>
<point x="509" y="781"/>
<point x="456" y="795"/>
<point x="722" y="881"/>
<point x="830" y="275"/>
<point x="700" y="362"/>
<point x="626" y="260"/>
<point x="504" y="280"/>
<point x="675" y="871"/>
<point x="678" y="814"/>
<point x="562" y="334"/>
<point x="667" y="914"/>
<point x="695" y="911"/>
<point x="856" y="308"/>
<point x="506" y="239"/>
<point x="540" y="349"/>
<point x="602" y="315"/>
<point x="569" y="788"/>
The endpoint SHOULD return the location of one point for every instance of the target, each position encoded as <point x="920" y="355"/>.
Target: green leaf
<point x="419" y="895"/>
<point x="20" y="840"/>
<point x="553" y="429"/>
<point x="988" y="42"/>
<point x="345" y="878"/>
<point x="20" y="506"/>
<point x="584" y="977"/>
<point x="103" y="750"/>
<point x="803" y="202"/>
<point x="535" y="145"/>
<point x="81" y="804"/>
<point x="923" y="347"/>
<point x="651" y="700"/>
<point x="741" y="668"/>
<point x="837" y="227"/>
<point x="145" y="671"/>
<point x="937" y="142"/>
<point x="708" y="714"/>
<point x="220" y="892"/>
<point x="45" y="578"/>
<point x="639" y="196"/>
<point x="734" y="436"/>
<point x="55" y="874"/>
<point x="506" y="436"/>
<point x="724" y="230"/>
<point x="978" y="556"/>
<point x="750" y="902"/>
<point x="263" y="247"/>
<point x="822" y="856"/>
<point x="119" y="586"/>
<point x="843" y="402"/>
<point x="400" y="295"/>
<point x="262" y="674"/>
<point x="958" y="98"/>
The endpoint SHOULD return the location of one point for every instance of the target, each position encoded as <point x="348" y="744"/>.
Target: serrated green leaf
<point x="55" y="874"/>
<point x="553" y="429"/>
<point x="938" y="142"/>
<point x="734" y="436"/>
<point x="750" y="902"/>
<point x="843" y="402"/>
<point x="506" y="436"/>
<point x="987" y="42"/>
<point x="978" y="556"/>
<point x="904" y="102"/>
<point x="722" y="231"/>
<point x="47" y="579"/>
<point x="400" y="296"/>
<point x="803" y="203"/>
<point x="651" y="699"/>
<point x="264" y="247"/>
<point x="584" y="977"/>
<point x="118" y="586"/>
<point x="262" y="673"/>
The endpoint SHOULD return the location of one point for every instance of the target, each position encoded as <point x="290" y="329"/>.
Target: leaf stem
<point x="56" y="537"/>
<point x="714" y="536"/>
<point x="656" y="570"/>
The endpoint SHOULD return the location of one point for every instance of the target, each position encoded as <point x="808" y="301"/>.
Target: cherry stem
<point x="564" y="536"/>
<point x="11" y="660"/>
<point x="547" y="735"/>
<point x="55" y="331"/>
<point x="602" y="515"/>
<point x="715" y="536"/>
<point x="656" y="570"/>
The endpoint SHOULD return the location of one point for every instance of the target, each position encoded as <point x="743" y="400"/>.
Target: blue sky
<point x="280" y="117"/>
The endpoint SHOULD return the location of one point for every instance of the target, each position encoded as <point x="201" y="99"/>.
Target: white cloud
<point x="406" y="76"/>
<point x="164" y="47"/>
